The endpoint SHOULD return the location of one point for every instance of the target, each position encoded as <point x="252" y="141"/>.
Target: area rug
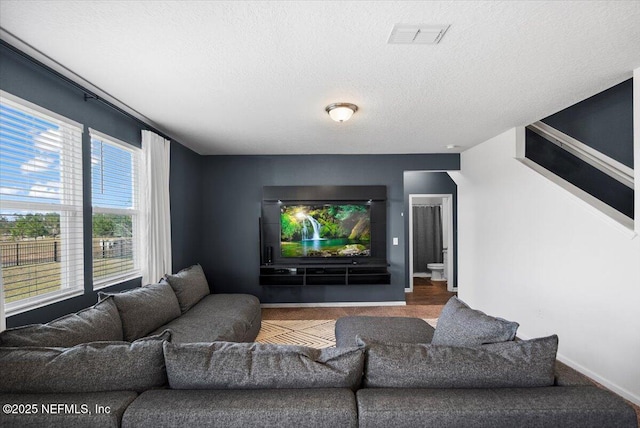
<point x="313" y="333"/>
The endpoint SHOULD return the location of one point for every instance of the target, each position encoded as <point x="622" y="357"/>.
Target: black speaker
<point x="268" y="258"/>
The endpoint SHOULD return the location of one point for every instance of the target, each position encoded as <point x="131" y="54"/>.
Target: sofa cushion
<point x="144" y="309"/>
<point x="226" y="365"/>
<point x="527" y="363"/>
<point x="97" y="323"/>
<point x="459" y="325"/>
<point x="566" y="407"/>
<point x="70" y="410"/>
<point x="282" y="408"/>
<point x="88" y="367"/>
<point x="190" y="286"/>
<point x="226" y="317"/>
<point x="382" y="329"/>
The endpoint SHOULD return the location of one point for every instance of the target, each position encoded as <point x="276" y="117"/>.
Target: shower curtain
<point x="427" y="236"/>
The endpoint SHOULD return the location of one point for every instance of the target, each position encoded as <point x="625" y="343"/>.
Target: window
<point x="41" y="238"/>
<point x="115" y="200"/>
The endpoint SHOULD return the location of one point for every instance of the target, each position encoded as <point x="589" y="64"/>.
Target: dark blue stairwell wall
<point x="603" y="122"/>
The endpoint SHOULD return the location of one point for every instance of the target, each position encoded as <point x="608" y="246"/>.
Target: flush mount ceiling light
<point x="341" y="112"/>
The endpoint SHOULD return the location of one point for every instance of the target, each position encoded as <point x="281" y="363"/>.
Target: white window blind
<point x="115" y="198"/>
<point x="41" y="238"/>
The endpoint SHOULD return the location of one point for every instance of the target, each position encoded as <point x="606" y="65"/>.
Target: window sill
<point x="114" y="280"/>
<point x="26" y="305"/>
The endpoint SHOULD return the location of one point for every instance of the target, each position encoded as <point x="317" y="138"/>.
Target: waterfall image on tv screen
<point x="327" y="230"/>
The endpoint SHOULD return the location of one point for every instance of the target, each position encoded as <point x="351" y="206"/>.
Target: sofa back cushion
<point x="190" y="286"/>
<point x="227" y="365"/>
<point x="514" y="364"/>
<point x="144" y="309"/>
<point x="89" y="367"/>
<point x="459" y="325"/>
<point x="100" y="322"/>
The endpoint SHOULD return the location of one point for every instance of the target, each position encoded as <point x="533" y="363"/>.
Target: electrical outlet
<point x="395" y="240"/>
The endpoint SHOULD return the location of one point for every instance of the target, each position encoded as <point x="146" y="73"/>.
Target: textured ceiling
<point x="254" y="77"/>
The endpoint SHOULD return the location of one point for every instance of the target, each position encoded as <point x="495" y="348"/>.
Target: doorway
<point x="435" y="244"/>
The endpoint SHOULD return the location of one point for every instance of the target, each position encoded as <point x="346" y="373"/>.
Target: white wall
<point x="532" y="252"/>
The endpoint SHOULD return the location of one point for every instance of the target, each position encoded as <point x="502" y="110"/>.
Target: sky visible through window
<point x="30" y="156"/>
<point x="111" y="176"/>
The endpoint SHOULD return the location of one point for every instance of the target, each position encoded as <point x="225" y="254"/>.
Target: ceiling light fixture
<point x="341" y="112"/>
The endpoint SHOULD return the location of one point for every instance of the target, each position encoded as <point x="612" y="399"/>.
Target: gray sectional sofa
<point x="473" y="372"/>
<point x="194" y="370"/>
<point x="86" y="368"/>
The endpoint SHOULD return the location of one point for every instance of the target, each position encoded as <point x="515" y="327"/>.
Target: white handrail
<point x="602" y="162"/>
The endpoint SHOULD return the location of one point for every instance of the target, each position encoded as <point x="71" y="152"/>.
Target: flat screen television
<point x="325" y="230"/>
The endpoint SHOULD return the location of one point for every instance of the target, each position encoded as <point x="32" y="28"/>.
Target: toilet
<point x="437" y="271"/>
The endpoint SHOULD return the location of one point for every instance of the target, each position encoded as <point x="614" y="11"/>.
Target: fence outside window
<point x="23" y="253"/>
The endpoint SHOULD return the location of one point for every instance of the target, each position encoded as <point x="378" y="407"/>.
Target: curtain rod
<point x="88" y="95"/>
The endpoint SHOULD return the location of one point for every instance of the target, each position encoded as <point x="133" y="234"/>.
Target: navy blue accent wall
<point x="24" y="79"/>
<point x="231" y="206"/>
<point x="603" y="121"/>
<point x="216" y="200"/>
<point x="424" y="182"/>
<point x="185" y="187"/>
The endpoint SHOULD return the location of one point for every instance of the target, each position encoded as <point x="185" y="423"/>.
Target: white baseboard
<point x="331" y="304"/>
<point x="615" y="388"/>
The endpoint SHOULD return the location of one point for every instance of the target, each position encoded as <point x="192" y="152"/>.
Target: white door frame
<point x="447" y="205"/>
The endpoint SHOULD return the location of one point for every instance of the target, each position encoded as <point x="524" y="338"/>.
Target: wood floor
<point x="426" y="292"/>
<point x="426" y="301"/>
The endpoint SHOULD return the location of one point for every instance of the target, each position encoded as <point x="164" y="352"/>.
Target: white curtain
<point x="155" y="215"/>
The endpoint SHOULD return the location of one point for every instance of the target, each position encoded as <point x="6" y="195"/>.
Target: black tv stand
<point x="306" y="274"/>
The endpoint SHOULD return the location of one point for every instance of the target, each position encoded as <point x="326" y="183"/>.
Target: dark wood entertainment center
<point x="277" y="270"/>
<point x="318" y="274"/>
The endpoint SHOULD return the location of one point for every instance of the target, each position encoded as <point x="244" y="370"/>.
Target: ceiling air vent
<point x="406" y="34"/>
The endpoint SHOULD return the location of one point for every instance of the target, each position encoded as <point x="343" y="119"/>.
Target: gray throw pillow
<point x="227" y="365"/>
<point x="190" y="286"/>
<point x="145" y="309"/>
<point x="515" y="364"/>
<point x="100" y="322"/>
<point x="459" y="325"/>
<point x="89" y="367"/>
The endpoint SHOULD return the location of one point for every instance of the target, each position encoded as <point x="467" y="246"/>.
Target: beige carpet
<point x="312" y="333"/>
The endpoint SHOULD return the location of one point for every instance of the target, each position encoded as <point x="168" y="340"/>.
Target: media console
<point x="294" y="275"/>
<point x="323" y="235"/>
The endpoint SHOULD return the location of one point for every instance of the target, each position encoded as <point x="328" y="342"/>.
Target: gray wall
<point x="186" y="198"/>
<point x="231" y="197"/>
<point x="31" y="82"/>
<point x="423" y="182"/>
